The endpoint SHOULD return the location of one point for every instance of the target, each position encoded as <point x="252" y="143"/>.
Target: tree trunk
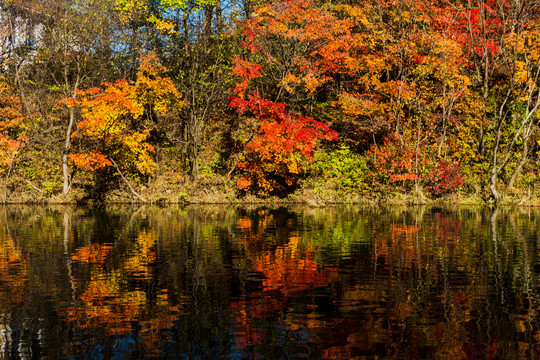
<point x="65" y="154"/>
<point x="137" y="195"/>
<point x="219" y="18"/>
<point x="195" y="163"/>
<point x="208" y="15"/>
<point x="522" y="161"/>
<point x="493" y="186"/>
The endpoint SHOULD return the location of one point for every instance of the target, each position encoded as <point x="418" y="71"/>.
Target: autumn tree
<point x="73" y="46"/>
<point x="388" y="70"/>
<point x="194" y="40"/>
<point x="118" y="119"/>
<point x="12" y="131"/>
<point x="284" y="141"/>
<point x="517" y="100"/>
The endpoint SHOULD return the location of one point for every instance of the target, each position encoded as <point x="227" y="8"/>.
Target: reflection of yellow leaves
<point x="312" y="320"/>
<point x="293" y="245"/>
<point x="143" y="255"/>
<point x="13" y="271"/>
<point x="101" y="286"/>
<point x="107" y="303"/>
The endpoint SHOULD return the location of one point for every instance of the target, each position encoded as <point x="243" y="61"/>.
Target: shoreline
<point x="309" y="200"/>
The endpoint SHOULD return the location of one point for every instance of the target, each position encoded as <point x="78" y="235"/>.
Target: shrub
<point x="342" y="168"/>
<point x="445" y="178"/>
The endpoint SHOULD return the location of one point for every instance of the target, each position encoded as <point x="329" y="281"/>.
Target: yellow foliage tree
<point x="117" y="120"/>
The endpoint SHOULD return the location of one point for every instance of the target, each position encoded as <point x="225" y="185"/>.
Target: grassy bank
<point x="165" y="190"/>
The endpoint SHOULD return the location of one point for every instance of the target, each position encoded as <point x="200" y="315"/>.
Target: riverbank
<point x="220" y="191"/>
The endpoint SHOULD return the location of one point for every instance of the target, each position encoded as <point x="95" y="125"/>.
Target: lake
<point x="223" y="282"/>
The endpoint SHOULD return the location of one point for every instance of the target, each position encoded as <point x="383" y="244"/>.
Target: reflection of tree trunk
<point x="199" y="278"/>
<point x="495" y="241"/>
<point x="8" y="230"/>
<point x="197" y="265"/>
<point x="528" y="276"/>
<point x="129" y="224"/>
<point x="67" y="233"/>
<point x="5" y="328"/>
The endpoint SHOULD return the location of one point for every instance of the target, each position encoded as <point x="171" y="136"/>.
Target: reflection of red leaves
<point x="92" y="254"/>
<point x="446" y="228"/>
<point x="337" y="352"/>
<point x="287" y="272"/>
<point x="481" y="350"/>
<point x="246" y="310"/>
<point x="460" y="297"/>
<point x="244" y="223"/>
<point x="292" y="275"/>
<point x="402" y="237"/>
<point x="257" y="307"/>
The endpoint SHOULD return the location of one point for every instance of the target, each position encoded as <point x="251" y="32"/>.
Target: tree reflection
<point x="109" y="303"/>
<point x="434" y="287"/>
<point x="206" y="282"/>
<point x="287" y="269"/>
<point x="13" y="272"/>
<point x="13" y="279"/>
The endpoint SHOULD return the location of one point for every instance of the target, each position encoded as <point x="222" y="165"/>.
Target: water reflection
<point x="211" y="282"/>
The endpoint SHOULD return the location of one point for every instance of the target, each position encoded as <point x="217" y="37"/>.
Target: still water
<point x="269" y="283"/>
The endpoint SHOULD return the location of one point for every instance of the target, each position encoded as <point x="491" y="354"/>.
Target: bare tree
<point x="500" y="38"/>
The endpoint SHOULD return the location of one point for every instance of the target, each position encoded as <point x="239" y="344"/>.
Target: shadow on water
<point x="251" y="282"/>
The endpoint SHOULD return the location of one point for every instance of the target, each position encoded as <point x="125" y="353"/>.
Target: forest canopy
<point x="160" y="99"/>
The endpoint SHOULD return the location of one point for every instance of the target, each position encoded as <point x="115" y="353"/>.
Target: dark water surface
<point x="260" y="283"/>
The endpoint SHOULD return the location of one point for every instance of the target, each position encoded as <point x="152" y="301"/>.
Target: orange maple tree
<point x="12" y="126"/>
<point x="118" y="117"/>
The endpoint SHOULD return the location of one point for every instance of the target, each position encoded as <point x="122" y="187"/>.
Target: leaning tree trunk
<point x="519" y="167"/>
